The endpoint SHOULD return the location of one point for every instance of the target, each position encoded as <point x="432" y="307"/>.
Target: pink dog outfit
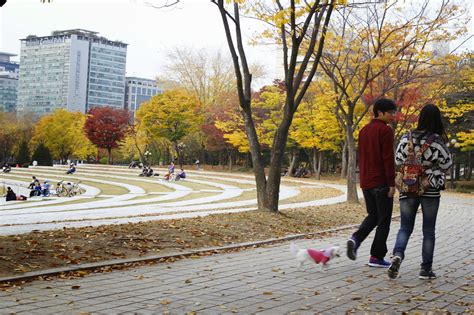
<point x="320" y="256"/>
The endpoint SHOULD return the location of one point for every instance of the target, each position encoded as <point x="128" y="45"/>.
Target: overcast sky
<point x="148" y="31"/>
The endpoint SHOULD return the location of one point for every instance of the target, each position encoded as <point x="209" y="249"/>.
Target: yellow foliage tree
<point x="63" y="134"/>
<point x="368" y="50"/>
<point x="171" y="115"/>
<point x="315" y="125"/>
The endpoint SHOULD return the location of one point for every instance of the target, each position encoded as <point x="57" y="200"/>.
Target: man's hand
<point x="391" y="192"/>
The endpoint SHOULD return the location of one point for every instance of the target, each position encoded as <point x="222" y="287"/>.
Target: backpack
<point x="411" y="179"/>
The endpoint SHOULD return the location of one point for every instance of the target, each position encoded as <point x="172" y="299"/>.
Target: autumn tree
<point x="215" y="140"/>
<point x="106" y="127"/>
<point x="315" y="125"/>
<point x="171" y="115"/>
<point x="63" y="134"/>
<point x="366" y="46"/>
<point x="136" y="141"/>
<point x="459" y="109"/>
<point x="8" y="135"/>
<point x="203" y="73"/>
<point x="290" y="22"/>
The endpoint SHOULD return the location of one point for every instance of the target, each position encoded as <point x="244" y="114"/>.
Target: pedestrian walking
<point x="377" y="180"/>
<point x="428" y="142"/>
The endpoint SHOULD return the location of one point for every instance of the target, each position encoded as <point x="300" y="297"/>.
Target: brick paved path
<point x="265" y="280"/>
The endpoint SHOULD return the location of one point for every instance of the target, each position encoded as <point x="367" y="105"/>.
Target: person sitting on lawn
<point x="149" y="172"/>
<point x="181" y="174"/>
<point x="11" y="196"/>
<point x="36" y="190"/>
<point x="33" y="182"/>
<point x="45" y="188"/>
<point x="171" y="168"/>
<point x="72" y="169"/>
<point x="6" y="168"/>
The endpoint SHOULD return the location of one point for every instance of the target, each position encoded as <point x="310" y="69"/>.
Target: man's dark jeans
<point x="379" y="208"/>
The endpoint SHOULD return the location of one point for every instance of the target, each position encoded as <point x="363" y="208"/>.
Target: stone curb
<point x="117" y="262"/>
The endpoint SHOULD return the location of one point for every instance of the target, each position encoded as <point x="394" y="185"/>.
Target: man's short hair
<point x="384" y="105"/>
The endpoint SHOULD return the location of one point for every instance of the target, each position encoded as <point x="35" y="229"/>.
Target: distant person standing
<point x="377" y="180"/>
<point x="197" y="164"/>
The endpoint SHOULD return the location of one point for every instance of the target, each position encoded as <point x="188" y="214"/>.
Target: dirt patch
<point x="42" y="250"/>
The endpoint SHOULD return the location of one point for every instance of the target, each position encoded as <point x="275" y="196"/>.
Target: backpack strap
<point x="410" y="147"/>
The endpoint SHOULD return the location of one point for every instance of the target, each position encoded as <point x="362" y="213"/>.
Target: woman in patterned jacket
<point x="436" y="159"/>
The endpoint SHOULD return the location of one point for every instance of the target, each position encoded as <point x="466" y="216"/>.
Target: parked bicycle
<point x="68" y="189"/>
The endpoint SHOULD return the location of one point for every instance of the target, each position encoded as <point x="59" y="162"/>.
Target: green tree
<point x="42" y="155"/>
<point x="23" y="156"/>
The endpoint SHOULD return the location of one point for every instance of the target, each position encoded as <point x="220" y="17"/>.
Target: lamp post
<point x="181" y="147"/>
<point x="455" y="145"/>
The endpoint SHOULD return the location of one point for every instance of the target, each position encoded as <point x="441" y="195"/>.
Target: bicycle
<point x="61" y="189"/>
<point x="75" y="189"/>
<point x="68" y="189"/>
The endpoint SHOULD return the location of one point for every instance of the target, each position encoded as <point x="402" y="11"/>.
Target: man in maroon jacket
<point x="377" y="180"/>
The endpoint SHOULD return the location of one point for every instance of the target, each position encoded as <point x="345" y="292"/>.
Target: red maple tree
<point x="106" y="127"/>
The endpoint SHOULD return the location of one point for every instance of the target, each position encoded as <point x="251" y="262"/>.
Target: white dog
<point x="315" y="256"/>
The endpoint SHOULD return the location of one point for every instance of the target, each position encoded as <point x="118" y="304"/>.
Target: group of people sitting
<point x="171" y="175"/>
<point x="147" y="171"/>
<point x="36" y="189"/>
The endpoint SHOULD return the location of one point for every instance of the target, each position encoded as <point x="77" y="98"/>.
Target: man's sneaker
<point x="378" y="263"/>
<point x="394" y="267"/>
<point x="427" y="274"/>
<point x="352" y="249"/>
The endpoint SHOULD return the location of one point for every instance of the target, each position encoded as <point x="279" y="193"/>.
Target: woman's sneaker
<point x="394" y="267"/>
<point x="378" y="263"/>
<point x="427" y="274"/>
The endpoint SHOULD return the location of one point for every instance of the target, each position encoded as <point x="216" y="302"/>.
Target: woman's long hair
<point x="430" y="121"/>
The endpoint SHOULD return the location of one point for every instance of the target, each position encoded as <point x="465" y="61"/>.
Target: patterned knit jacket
<point x="436" y="160"/>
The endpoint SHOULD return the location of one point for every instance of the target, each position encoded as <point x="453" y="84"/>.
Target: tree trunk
<point x="351" y="166"/>
<point x="293" y="161"/>
<point x="109" y="155"/>
<point x="272" y="192"/>
<point x="468" y="172"/>
<point x="316" y="162"/>
<point x="229" y="155"/>
<point x="319" y="161"/>
<point x="457" y="170"/>
<point x="219" y="154"/>
<point x="344" y="161"/>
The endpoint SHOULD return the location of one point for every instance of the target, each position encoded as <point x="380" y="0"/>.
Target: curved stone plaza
<point x="117" y="195"/>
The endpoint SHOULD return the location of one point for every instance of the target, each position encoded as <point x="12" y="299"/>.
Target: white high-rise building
<point x="72" y="69"/>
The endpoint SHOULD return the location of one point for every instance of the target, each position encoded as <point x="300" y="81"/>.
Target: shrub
<point x="42" y="155"/>
<point x="23" y="156"/>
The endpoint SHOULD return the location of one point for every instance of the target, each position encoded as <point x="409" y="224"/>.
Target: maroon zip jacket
<point x="376" y="156"/>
